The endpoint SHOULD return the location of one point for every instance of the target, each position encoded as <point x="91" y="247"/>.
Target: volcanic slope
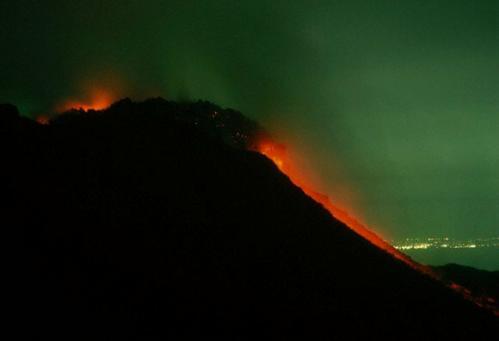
<point x="145" y="221"/>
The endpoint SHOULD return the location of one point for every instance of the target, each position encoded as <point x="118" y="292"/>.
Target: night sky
<point x="394" y="105"/>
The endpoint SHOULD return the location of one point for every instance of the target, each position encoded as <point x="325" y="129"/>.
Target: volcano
<point x="161" y="219"/>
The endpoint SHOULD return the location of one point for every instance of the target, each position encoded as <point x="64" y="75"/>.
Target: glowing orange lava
<point x="97" y="99"/>
<point x="277" y="154"/>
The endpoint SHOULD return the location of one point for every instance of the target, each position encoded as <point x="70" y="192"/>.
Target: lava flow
<point x="277" y="154"/>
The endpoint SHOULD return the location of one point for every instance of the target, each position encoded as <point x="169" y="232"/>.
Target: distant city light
<point x="445" y="243"/>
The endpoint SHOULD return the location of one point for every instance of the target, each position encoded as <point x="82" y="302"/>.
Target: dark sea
<point x="480" y="258"/>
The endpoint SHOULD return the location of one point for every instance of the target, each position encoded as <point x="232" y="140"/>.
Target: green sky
<point x="399" y="99"/>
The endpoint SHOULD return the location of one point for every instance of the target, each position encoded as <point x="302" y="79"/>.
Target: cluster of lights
<point x="445" y="243"/>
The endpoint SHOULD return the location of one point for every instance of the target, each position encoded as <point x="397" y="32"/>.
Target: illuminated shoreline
<point x="445" y="243"/>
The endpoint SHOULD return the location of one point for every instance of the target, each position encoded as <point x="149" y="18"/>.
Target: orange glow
<point x="97" y="99"/>
<point x="481" y="301"/>
<point x="278" y="155"/>
<point x="42" y="119"/>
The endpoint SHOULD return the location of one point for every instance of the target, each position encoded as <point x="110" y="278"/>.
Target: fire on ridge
<point x="277" y="154"/>
<point x="96" y="98"/>
<point x="99" y="99"/>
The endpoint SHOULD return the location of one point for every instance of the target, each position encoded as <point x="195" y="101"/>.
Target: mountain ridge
<point x="130" y="218"/>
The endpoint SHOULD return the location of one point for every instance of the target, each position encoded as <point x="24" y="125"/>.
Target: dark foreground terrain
<point x="480" y="282"/>
<point x="152" y="220"/>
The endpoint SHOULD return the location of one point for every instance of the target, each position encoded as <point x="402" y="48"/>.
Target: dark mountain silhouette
<point x="481" y="283"/>
<point x="139" y="223"/>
